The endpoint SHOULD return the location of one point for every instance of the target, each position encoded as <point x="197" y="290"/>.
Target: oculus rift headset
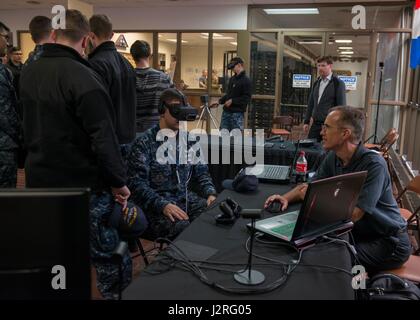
<point x="183" y="111"/>
<point x="230" y="211"/>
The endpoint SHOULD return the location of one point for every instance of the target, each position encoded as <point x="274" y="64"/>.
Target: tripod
<point x="205" y="111"/>
<point x="375" y="136"/>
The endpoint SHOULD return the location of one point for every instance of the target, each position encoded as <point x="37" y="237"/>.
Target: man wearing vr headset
<point x="238" y="95"/>
<point x="10" y="123"/>
<point x="161" y="190"/>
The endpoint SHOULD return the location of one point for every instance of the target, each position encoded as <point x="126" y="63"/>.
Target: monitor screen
<point x="44" y="233"/>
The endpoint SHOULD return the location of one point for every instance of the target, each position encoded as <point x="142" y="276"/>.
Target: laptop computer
<point x="327" y="208"/>
<point x="275" y="173"/>
<point x="271" y="173"/>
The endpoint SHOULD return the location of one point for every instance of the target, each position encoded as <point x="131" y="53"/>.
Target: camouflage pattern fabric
<point x="103" y="241"/>
<point x="154" y="185"/>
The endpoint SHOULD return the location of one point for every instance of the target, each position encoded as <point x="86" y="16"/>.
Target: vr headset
<point x="181" y="111"/>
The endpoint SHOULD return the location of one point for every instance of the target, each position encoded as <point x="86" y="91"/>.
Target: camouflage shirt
<point x="34" y="55"/>
<point x="10" y="124"/>
<point x="154" y="185"/>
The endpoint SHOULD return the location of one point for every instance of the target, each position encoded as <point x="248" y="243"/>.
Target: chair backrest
<point x="385" y="138"/>
<point x="414" y="185"/>
<point x="284" y="122"/>
<point x="388" y="141"/>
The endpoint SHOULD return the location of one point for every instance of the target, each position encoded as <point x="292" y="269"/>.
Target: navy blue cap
<point x="242" y="182"/>
<point x="234" y="61"/>
<point x="130" y="222"/>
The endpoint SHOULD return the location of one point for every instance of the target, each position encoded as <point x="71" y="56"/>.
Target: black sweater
<point x="239" y="90"/>
<point x="68" y="124"/>
<point x="120" y="80"/>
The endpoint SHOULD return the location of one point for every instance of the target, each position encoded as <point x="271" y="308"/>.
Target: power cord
<point x="181" y="258"/>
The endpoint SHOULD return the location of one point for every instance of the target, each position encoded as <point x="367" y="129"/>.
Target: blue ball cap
<point x="241" y="182"/>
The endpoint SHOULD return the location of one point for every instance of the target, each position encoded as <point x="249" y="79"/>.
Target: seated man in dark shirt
<point x="380" y="233"/>
<point x="163" y="190"/>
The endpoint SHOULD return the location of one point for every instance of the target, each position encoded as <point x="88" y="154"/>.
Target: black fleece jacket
<point x="68" y="124"/>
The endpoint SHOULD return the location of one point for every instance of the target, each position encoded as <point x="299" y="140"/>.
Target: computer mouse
<point x="274" y="207"/>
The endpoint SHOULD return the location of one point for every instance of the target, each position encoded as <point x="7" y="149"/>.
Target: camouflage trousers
<point x="103" y="241"/>
<point x="8" y="169"/>
<point x="161" y="227"/>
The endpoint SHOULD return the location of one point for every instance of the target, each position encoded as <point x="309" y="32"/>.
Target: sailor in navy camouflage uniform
<point x="10" y="123"/>
<point x="41" y="31"/>
<point x="161" y="189"/>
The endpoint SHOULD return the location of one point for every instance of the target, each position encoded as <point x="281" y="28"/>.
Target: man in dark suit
<point x="328" y="91"/>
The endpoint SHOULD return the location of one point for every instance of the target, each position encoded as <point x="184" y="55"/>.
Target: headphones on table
<point x="230" y="211"/>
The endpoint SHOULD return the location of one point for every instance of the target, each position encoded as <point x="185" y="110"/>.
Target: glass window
<point x="299" y="72"/>
<point x="224" y="49"/>
<point x="263" y="77"/>
<point x="351" y="59"/>
<point x="167" y="53"/>
<point x="194" y="59"/>
<point x="388" y="52"/>
<point x="123" y="42"/>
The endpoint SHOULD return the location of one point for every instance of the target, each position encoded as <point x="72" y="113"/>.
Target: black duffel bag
<point x="387" y="286"/>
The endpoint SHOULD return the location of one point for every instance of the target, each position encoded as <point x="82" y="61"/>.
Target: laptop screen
<point x="329" y="202"/>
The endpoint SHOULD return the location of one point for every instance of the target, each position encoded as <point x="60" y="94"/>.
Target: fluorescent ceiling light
<point x="310" y="42"/>
<point x="343" y="41"/>
<point x="174" y="40"/>
<point x="345" y="48"/>
<point x="347" y="52"/>
<point x="345" y="56"/>
<point x="292" y="11"/>
<point x="216" y="36"/>
<point x="233" y="43"/>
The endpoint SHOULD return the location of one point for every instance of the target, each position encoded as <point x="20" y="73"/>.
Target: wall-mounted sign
<point x="121" y="43"/>
<point x="301" y="81"/>
<point x="349" y="81"/>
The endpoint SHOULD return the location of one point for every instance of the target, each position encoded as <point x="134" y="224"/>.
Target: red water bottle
<point x="301" y="167"/>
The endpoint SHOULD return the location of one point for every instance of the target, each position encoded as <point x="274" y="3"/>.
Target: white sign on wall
<point x="301" y="81"/>
<point x="349" y="81"/>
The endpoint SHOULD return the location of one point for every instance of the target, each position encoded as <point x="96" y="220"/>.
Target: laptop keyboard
<point x="275" y="172"/>
<point x="285" y="230"/>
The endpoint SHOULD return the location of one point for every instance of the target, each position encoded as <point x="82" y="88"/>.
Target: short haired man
<point x="41" y="33"/>
<point x="118" y="76"/>
<point x="10" y="123"/>
<point x="70" y="139"/>
<point x="162" y="189"/>
<point x="328" y="91"/>
<point x="238" y="95"/>
<point x="380" y="233"/>
<point x="14" y="64"/>
<point x="150" y="84"/>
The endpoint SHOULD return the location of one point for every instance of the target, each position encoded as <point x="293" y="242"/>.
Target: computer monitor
<point x="41" y="229"/>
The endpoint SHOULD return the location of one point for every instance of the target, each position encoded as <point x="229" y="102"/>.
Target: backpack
<point x="391" y="287"/>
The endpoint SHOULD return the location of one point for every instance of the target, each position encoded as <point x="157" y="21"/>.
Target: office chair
<point x="285" y="124"/>
<point x="409" y="270"/>
<point x="412" y="218"/>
